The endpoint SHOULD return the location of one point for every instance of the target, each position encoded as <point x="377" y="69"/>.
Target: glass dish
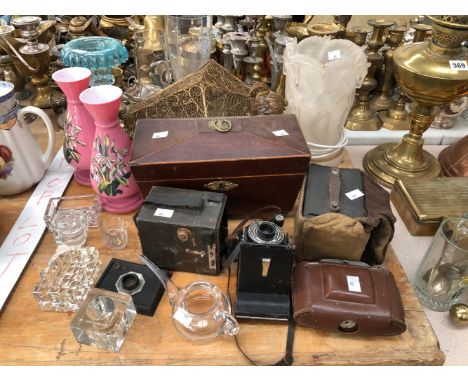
<point x="64" y="284"/>
<point x="99" y="54"/>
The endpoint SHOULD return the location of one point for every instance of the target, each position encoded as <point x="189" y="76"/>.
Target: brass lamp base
<point x="385" y="163"/>
<point x="390" y="123"/>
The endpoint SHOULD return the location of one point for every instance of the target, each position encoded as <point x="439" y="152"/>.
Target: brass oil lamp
<point x="384" y="100"/>
<point x="425" y="73"/>
<point x="361" y="117"/>
<point x="33" y="59"/>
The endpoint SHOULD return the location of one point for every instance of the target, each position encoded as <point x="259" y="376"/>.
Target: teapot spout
<point x="171" y="288"/>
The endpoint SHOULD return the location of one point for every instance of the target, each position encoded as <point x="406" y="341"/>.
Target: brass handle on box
<point x="221" y="125"/>
<point x="221" y="186"/>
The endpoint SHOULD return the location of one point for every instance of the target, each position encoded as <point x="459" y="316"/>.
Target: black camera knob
<point x="279" y="220"/>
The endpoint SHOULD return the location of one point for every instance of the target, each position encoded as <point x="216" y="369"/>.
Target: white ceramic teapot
<point x="22" y="163"/>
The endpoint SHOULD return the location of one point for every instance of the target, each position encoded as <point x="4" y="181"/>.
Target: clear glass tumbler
<point x="443" y="273"/>
<point x="188" y="43"/>
<point x="114" y="232"/>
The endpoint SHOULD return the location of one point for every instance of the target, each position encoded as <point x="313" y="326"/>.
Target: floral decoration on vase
<point x="71" y="141"/>
<point x="108" y="168"/>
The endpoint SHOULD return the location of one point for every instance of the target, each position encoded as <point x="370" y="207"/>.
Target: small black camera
<point x="264" y="271"/>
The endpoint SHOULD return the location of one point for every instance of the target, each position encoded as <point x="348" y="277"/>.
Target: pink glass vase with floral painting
<point x="111" y="177"/>
<point x="79" y="127"/>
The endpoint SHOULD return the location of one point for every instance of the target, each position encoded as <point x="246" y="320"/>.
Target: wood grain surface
<point x="29" y="336"/>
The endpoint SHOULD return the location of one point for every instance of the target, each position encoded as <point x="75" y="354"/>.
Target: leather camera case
<point x="347" y="297"/>
<point x="329" y="224"/>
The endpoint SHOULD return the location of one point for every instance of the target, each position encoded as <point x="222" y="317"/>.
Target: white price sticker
<point x="355" y="194"/>
<point x="280" y="133"/>
<point x="458" y="65"/>
<point x="353" y="284"/>
<point x="162" y="134"/>
<point x="182" y="317"/>
<point x="162" y="212"/>
<point x="334" y="55"/>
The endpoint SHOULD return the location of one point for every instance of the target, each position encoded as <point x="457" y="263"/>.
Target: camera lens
<point x="130" y="281"/>
<point x="266" y="231"/>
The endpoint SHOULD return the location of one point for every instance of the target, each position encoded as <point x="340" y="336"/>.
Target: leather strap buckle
<point x="334" y="186"/>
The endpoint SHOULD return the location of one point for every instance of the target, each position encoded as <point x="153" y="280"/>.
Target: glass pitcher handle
<point x="230" y="326"/>
<point x="49" y="153"/>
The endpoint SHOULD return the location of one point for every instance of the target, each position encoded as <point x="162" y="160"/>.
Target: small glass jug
<point x="200" y="310"/>
<point x="443" y="273"/>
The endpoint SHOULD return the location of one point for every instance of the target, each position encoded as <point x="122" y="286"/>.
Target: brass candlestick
<point x="360" y="35"/>
<point x="265" y="30"/>
<point x="396" y="118"/>
<point x="253" y="62"/>
<point x="32" y="59"/>
<point x="424" y="73"/>
<point x="421" y="31"/>
<point x="280" y="23"/>
<point x="239" y="51"/>
<point x="361" y="118"/>
<point x="342" y="23"/>
<point x="384" y="100"/>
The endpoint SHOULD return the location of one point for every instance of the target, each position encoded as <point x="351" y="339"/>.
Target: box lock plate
<point x="221" y="186"/>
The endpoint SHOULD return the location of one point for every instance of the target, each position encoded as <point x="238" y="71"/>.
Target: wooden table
<point x="29" y="336"/>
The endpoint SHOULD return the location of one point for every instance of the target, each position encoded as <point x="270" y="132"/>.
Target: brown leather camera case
<point x="348" y="297"/>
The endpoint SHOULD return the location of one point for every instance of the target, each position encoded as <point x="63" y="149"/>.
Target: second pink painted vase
<point x="111" y="177"/>
<point x="79" y="127"/>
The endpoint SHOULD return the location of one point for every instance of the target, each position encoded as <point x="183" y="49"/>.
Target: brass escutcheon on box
<point x="220" y="186"/>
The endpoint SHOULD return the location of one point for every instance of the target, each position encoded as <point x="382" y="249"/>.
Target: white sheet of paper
<point x="162" y="212"/>
<point x="353" y="284"/>
<point x="351" y="195"/>
<point x="161" y="134"/>
<point x="23" y="237"/>
<point x="280" y="133"/>
<point x="334" y="55"/>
